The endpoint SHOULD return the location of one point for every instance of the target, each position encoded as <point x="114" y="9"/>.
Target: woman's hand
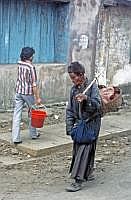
<point x="80" y="97"/>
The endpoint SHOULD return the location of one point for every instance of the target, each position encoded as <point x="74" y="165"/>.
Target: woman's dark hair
<point x="116" y="90"/>
<point x="76" y="67"/>
<point x="101" y="86"/>
<point x="26" y="53"/>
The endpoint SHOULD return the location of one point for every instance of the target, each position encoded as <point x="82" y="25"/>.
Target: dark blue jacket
<point x="90" y="108"/>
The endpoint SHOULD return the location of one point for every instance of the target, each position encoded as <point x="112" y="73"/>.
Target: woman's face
<point x="107" y="93"/>
<point x="76" y="79"/>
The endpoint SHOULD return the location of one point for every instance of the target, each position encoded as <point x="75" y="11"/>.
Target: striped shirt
<point x="26" y="79"/>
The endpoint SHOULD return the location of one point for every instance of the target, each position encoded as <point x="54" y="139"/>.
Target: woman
<point x="89" y="103"/>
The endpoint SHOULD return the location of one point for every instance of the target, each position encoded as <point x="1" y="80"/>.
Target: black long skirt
<point x="82" y="160"/>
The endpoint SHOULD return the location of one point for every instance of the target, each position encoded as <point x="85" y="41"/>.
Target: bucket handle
<point x="35" y="107"/>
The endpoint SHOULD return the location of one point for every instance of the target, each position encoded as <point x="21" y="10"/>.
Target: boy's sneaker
<point x="74" y="187"/>
<point x="17" y="142"/>
<point x="37" y="136"/>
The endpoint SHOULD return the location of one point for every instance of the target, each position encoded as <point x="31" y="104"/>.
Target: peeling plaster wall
<point x="114" y="45"/>
<point x="53" y="81"/>
<point x="83" y="29"/>
<point x="53" y="78"/>
<point x="109" y="54"/>
<point x="7" y="85"/>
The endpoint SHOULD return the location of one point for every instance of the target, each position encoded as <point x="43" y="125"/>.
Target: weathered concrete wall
<point x="7" y="85"/>
<point x="111" y="52"/>
<point x="114" y="45"/>
<point x="53" y="81"/>
<point x="83" y="29"/>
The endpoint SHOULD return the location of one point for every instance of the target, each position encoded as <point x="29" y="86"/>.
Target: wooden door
<point x="39" y="24"/>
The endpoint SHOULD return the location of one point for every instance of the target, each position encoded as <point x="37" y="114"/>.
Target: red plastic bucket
<point x="38" y="118"/>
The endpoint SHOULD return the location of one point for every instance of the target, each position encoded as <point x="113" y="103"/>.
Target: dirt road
<point x="45" y="178"/>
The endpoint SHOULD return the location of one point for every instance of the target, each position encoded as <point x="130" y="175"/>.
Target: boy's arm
<point x="35" y="87"/>
<point x="36" y="95"/>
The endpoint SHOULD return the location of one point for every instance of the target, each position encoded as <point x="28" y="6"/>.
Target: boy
<point x="27" y="91"/>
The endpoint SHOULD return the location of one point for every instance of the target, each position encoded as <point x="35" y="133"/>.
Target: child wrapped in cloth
<point x="111" y="98"/>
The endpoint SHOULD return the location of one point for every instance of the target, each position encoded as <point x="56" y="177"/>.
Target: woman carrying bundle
<point x="86" y="106"/>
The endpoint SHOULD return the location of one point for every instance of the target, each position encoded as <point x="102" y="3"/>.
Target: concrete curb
<point x="61" y="147"/>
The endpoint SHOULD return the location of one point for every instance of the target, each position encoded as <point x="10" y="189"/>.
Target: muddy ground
<point x="49" y="170"/>
<point x="53" y="169"/>
<point x="56" y="114"/>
